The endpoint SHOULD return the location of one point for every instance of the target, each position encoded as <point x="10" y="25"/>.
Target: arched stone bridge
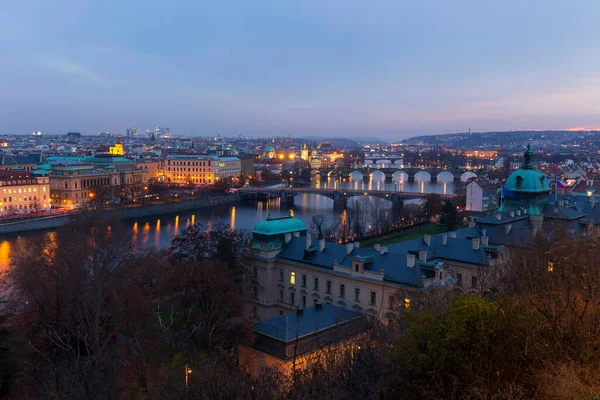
<point x="339" y="196"/>
<point x="457" y="173"/>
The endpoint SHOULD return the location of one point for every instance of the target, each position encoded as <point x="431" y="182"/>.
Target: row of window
<point x="10" y="198"/>
<point x="189" y="169"/>
<point x="190" y="163"/>
<point x="28" y="190"/>
<point x="328" y="287"/>
<point x="23" y="207"/>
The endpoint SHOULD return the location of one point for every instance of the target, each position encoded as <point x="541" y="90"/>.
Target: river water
<point x="159" y="230"/>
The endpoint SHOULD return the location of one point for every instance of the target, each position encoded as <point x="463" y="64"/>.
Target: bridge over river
<point x="339" y="196"/>
<point x="432" y="174"/>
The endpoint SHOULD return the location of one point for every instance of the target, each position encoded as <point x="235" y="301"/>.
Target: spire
<point x="528" y="156"/>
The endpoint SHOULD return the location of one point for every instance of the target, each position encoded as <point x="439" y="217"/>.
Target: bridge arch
<point x="400" y="176"/>
<point x="382" y="163"/>
<point x="445" y="176"/>
<point x="468" y="175"/>
<point x="355" y="175"/>
<point x="377" y="175"/>
<point x="423" y="176"/>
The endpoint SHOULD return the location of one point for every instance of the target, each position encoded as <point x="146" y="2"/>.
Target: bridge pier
<point x="433" y="178"/>
<point x="397" y="207"/>
<point x="366" y="178"/>
<point x="389" y="179"/>
<point x="411" y="179"/>
<point x="288" y="200"/>
<point x="339" y="203"/>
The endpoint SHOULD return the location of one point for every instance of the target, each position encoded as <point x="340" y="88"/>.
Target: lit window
<point x="407" y="304"/>
<point x="550" y="266"/>
<point x="292" y="278"/>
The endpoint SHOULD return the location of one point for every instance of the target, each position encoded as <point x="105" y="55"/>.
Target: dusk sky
<point x="346" y="68"/>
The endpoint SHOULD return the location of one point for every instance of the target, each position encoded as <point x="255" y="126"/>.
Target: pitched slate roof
<point x="289" y="327"/>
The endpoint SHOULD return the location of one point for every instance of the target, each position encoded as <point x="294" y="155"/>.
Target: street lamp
<point x="188" y="371"/>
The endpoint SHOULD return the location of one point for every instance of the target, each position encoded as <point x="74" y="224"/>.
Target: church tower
<point x="304" y="152"/>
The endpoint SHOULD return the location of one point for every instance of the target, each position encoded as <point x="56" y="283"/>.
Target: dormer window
<point x="519" y="180"/>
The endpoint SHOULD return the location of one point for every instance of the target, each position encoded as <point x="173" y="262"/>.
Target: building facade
<point x="199" y="169"/>
<point x="24" y="192"/>
<point x="291" y="271"/>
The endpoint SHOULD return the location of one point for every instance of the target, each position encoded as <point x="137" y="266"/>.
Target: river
<point x="159" y="230"/>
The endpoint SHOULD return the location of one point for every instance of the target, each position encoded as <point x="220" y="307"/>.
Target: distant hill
<point x="501" y="139"/>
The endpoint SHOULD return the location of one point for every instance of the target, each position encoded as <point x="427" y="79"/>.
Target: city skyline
<point x="302" y="69"/>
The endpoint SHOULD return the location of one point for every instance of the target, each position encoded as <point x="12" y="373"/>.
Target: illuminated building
<point x="24" y="191"/>
<point x="200" y="169"/>
<point x="304" y="152"/>
<point x="117" y="149"/>
<point x="74" y="185"/>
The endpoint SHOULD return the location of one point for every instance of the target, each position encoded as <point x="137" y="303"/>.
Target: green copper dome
<point x="269" y="149"/>
<point x="279" y="226"/>
<point x="528" y="178"/>
<point x="527" y="188"/>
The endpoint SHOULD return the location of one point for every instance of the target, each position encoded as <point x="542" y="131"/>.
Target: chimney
<point x="518" y="213"/>
<point x="511" y="213"/>
<point x="427" y="239"/>
<point x="485" y="240"/>
<point x="321" y="244"/>
<point x="566" y="202"/>
<point x="475" y="244"/>
<point x="383" y="250"/>
<point x="498" y="216"/>
<point x="319" y="305"/>
<point x="452" y="235"/>
<point x="296" y="234"/>
<point x="508" y="228"/>
<point x="423" y="256"/>
<point x="524" y="211"/>
<point x="410" y="260"/>
<point x="444" y="239"/>
<point x="349" y="248"/>
<point x="377" y="246"/>
<point x="471" y="224"/>
<point x="308" y="242"/>
<point x="484" y="232"/>
<point x="288" y="237"/>
<point x="356" y="245"/>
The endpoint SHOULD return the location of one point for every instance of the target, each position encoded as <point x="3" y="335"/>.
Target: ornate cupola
<point x="527" y="188"/>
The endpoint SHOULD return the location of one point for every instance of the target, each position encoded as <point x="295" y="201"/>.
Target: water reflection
<point x="158" y="231"/>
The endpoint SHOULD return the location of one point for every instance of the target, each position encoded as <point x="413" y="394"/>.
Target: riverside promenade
<point x="52" y="221"/>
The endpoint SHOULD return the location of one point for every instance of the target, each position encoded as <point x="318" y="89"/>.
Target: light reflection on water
<point x="159" y="230"/>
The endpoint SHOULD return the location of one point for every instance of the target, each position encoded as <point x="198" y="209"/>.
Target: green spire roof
<point x="527" y="179"/>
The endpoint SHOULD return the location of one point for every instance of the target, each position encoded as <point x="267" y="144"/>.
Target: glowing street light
<point x="188" y="371"/>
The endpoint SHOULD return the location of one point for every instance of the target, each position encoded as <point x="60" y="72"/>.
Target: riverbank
<point x="124" y="213"/>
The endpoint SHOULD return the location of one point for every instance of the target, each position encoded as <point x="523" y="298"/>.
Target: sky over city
<point x="388" y="68"/>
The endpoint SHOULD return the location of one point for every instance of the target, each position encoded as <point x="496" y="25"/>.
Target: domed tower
<point x="526" y="189"/>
